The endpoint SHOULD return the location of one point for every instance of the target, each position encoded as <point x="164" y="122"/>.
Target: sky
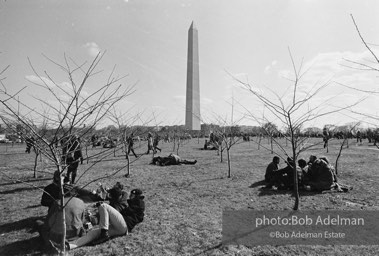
<point x="251" y="41"/>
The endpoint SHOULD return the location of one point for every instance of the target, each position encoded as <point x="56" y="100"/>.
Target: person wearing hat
<point x="134" y="213"/>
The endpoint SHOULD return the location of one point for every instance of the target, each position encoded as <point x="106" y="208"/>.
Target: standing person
<point x="29" y="144"/>
<point x="325" y="134"/>
<point x="155" y="143"/>
<point x="130" y="142"/>
<point x="74" y="155"/>
<point x="149" y="142"/>
<point x="359" y="138"/>
<point x="211" y="137"/>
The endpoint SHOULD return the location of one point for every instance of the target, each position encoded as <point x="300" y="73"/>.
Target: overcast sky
<point x="247" y="39"/>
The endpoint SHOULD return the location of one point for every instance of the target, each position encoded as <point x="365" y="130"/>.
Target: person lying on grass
<point x="116" y="220"/>
<point x="172" y="159"/>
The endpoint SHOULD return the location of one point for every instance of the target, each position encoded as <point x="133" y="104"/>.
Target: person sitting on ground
<point x="118" y="198"/>
<point x="205" y="145"/>
<point x="285" y="177"/>
<point x="272" y="172"/>
<point x="115" y="223"/>
<point x="304" y="171"/>
<point x="172" y="159"/>
<point x="209" y="146"/>
<point x="51" y="191"/>
<point x="51" y="229"/>
<point x="320" y="174"/>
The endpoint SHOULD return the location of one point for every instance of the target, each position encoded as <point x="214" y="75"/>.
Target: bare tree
<point x="227" y="134"/>
<point x="345" y="141"/>
<point x="369" y="65"/>
<point x="65" y="109"/>
<point x="270" y="129"/>
<point x="127" y="131"/>
<point x="293" y="115"/>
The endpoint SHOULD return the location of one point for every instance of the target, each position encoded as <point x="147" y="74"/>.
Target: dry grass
<point x="184" y="204"/>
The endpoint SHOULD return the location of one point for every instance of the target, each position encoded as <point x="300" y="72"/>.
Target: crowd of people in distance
<point x="116" y="218"/>
<point x="315" y="175"/>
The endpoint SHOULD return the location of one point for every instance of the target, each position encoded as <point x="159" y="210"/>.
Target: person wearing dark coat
<point x="272" y="171"/>
<point x="130" y="142"/>
<point x="134" y="213"/>
<point x="74" y="156"/>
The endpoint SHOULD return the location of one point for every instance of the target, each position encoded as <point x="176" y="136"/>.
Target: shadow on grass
<point x="268" y="192"/>
<point x="27" y="180"/>
<point x="257" y="184"/>
<point x="33" y="206"/>
<point x="24" y="247"/>
<point x="207" y="251"/>
<point x="17" y="190"/>
<point x="28" y="224"/>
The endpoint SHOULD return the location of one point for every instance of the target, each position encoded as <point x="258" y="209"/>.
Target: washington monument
<point x="193" y="92"/>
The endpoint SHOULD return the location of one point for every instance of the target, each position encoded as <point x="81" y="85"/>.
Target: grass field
<point x="184" y="204"/>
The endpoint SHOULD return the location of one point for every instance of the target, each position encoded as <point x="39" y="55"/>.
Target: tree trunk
<point x="229" y="164"/>
<point x="296" y="184"/>
<point x="87" y="153"/>
<point x="128" y="165"/>
<point x="220" y="150"/>
<point x="35" y="164"/>
<point x="339" y="154"/>
<point x="272" y="147"/>
<point x="61" y="196"/>
<point x="259" y="141"/>
<point x="177" y="148"/>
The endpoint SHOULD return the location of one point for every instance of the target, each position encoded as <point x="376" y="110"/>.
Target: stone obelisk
<point x="193" y="88"/>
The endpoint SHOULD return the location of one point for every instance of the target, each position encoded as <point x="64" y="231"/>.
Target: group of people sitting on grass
<point x="315" y="175"/>
<point x="87" y="224"/>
